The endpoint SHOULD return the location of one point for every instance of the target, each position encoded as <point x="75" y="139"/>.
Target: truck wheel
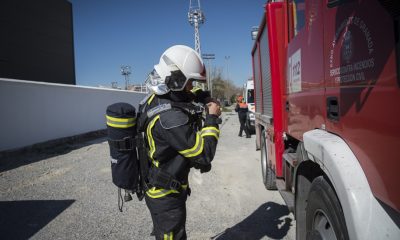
<point x="267" y="174"/>
<point x="324" y="215"/>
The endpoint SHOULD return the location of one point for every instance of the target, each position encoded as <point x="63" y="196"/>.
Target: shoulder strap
<point x="146" y="114"/>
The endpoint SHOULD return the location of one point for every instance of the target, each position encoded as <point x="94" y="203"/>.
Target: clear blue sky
<point x="108" y="34"/>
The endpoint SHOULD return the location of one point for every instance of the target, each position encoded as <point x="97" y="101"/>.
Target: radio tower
<point x="196" y="17"/>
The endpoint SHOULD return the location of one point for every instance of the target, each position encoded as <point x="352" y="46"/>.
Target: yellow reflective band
<point x="210" y="134"/>
<point x="161" y="192"/>
<point x="158" y="193"/>
<point x="196" y="150"/>
<point x="150" y="98"/>
<point x="151" y="140"/>
<point x="120" y="122"/>
<point x="120" y="125"/>
<point x="123" y="120"/>
<point x="195" y="89"/>
<point x="210" y="131"/>
<point x="211" y="128"/>
<point x="169" y="236"/>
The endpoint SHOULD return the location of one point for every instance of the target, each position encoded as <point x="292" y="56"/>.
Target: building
<point x="36" y="40"/>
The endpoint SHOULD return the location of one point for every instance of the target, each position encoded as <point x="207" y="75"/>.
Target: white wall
<point x="34" y="112"/>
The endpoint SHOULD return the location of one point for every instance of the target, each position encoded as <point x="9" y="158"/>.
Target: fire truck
<point x="326" y="85"/>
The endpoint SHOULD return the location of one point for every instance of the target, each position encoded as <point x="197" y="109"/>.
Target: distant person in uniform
<point x="242" y="109"/>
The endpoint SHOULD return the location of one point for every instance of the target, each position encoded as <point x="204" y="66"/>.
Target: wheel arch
<point x="305" y="172"/>
<point x="364" y="215"/>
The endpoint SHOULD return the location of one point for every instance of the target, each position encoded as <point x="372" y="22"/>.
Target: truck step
<point x="290" y="158"/>
<point x="287" y="196"/>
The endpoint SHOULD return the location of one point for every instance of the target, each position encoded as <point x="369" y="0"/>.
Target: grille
<point x="257" y="79"/>
<point x="266" y="74"/>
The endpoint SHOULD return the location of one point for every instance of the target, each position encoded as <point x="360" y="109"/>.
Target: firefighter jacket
<point x="175" y="143"/>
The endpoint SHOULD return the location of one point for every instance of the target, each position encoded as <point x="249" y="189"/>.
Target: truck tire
<point x="268" y="175"/>
<point x="303" y="185"/>
<point x="324" y="215"/>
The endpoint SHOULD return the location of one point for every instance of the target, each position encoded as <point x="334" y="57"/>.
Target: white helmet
<point x="177" y="65"/>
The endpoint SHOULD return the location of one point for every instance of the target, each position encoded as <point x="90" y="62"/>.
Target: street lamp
<point x="126" y="71"/>
<point x="208" y="57"/>
<point x="254" y="32"/>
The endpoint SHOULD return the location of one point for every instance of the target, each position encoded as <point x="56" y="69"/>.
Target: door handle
<point x="333" y="110"/>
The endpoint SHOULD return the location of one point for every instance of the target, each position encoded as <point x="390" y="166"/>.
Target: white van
<point x="249" y="98"/>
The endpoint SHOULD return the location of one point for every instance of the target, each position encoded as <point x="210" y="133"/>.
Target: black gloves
<point x="201" y="167"/>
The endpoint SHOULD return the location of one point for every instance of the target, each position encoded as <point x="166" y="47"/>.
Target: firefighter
<point x="174" y="139"/>
<point x="242" y="109"/>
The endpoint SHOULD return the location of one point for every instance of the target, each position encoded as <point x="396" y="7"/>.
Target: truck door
<point x="305" y="90"/>
<point x="363" y="87"/>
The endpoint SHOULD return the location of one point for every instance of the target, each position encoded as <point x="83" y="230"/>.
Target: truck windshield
<point x="250" y="96"/>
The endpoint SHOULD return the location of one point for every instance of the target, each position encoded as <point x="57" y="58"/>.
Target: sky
<point x="111" y="33"/>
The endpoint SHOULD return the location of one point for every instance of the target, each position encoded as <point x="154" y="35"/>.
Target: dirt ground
<point x="67" y="193"/>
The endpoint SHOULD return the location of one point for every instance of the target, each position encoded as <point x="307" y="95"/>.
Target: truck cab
<point x="326" y="83"/>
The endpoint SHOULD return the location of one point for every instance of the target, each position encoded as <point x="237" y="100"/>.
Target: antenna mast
<point x="126" y="71"/>
<point x="196" y="17"/>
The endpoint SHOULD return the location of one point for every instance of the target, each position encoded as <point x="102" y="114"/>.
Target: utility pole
<point x="196" y="18"/>
<point x="126" y="71"/>
<point x="208" y="57"/>
<point x="227" y="65"/>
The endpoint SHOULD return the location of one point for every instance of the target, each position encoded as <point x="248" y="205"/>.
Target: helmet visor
<point x="176" y="81"/>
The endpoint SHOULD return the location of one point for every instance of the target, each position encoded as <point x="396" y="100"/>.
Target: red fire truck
<point x="327" y="84"/>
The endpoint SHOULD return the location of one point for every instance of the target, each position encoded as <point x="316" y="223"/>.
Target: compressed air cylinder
<point x="121" y="128"/>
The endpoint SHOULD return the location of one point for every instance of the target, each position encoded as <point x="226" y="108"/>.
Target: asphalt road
<point x="67" y="193"/>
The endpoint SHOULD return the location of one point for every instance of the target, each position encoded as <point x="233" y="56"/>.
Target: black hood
<point x="179" y="96"/>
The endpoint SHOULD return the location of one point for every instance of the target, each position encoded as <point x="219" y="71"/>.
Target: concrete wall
<point x="34" y="112"/>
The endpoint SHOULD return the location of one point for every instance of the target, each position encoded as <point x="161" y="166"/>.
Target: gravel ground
<point x="67" y="193"/>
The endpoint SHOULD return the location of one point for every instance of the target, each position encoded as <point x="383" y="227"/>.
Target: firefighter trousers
<point x="169" y="216"/>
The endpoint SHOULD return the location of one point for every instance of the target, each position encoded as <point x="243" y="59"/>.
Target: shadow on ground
<point x="266" y="221"/>
<point x="35" y="153"/>
<point x="22" y="219"/>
